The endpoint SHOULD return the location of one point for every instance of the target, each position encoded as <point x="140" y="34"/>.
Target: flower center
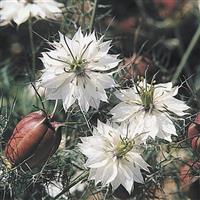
<point x="78" y="67"/>
<point x="146" y="95"/>
<point x="124" y="146"/>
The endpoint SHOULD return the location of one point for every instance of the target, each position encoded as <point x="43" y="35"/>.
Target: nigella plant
<point x="19" y="11"/>
<point x="152" y="106"/>
<point x="130" y="152"/>
<point x="78" y="69"/>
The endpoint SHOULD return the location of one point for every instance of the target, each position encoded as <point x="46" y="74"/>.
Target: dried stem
<point x="186" y="55"/>
<point x="43" y="107"/>
<point x="30" y="29"/>
<point x="77" y="180"/>
<point x="93" y="16"/>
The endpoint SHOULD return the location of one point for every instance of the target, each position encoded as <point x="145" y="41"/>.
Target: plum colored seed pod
<point x="193" y="129"/>
<point x="196" y="144"/>
<point x="33" y="141"/>
<point x="194" y="133"/>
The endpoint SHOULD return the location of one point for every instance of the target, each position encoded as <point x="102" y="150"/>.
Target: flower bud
<point x="194" y="134"/>
<point x="33" y="141"/>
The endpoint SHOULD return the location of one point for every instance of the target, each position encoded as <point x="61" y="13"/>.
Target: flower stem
<point x="30" y="29"/>
<point x="186" y="55"/>
<point x="37" y="93"/>
<point x="88" y="125"/>
<point x="54" y="109"/>
<point x="77" y="180"/>
<point x="93" y="15"/>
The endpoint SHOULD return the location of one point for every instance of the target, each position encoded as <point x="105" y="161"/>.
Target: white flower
<point x="78" y="69"/>
<point x="20" y="10"/>
<point x="151" y="107"/>
<point x="113" y="156"/>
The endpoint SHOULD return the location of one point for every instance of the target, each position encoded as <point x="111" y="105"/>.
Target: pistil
<point x="124" y="147"/>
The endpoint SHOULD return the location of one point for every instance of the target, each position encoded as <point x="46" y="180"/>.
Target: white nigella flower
<point x="152" y="107"/>
<point x="114" y="157"/>
<point x="78" y="69"/>
<point x="20" y="10"/>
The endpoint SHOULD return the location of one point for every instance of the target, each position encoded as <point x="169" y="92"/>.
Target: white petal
<point x="109" y="174"/>
<point x="69" y="98"/>
<point x="128" y="185"/>
<point x="124" y="111"/>
<point x="137" y="175"/>
<point x="22" y="15"/>
<point x="97" y="164"/>
<point x="103" y="80"/>
<point x="140" y="161"/>
<point x="167" y="128"/>
<point x="151" y="125"/>
<point x="52" y="81"/>
<point x="176" y="106"/>
<point x="52" y="8"/>
<point x="128" y="95"/>
<point x="35" y="10"/>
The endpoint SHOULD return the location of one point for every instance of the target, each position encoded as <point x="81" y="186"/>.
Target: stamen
<point x="55" y="58"/>
<point x="124" y="147"/>
<point x="146" y="93"/>
<point x="67" y="71"/>
<point x="86" y="49"/>
<point x="68" y="48"/>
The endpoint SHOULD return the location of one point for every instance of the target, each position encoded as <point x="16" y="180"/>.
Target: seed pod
<point x="196" y="144"/>
<point x="33" y="141"/>
<point x="194" y="128"/>
<point x="136" y="66"/>
<point x="194" y="134"/>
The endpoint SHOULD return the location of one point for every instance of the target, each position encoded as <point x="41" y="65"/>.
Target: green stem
<point x="77" y="180"/>
<point x="32" y="47"/>
<point x="83" y="13"/>
<point x="93" y="16"/>
<point x="54" y="109"/>
<point x="186" y="55"/>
